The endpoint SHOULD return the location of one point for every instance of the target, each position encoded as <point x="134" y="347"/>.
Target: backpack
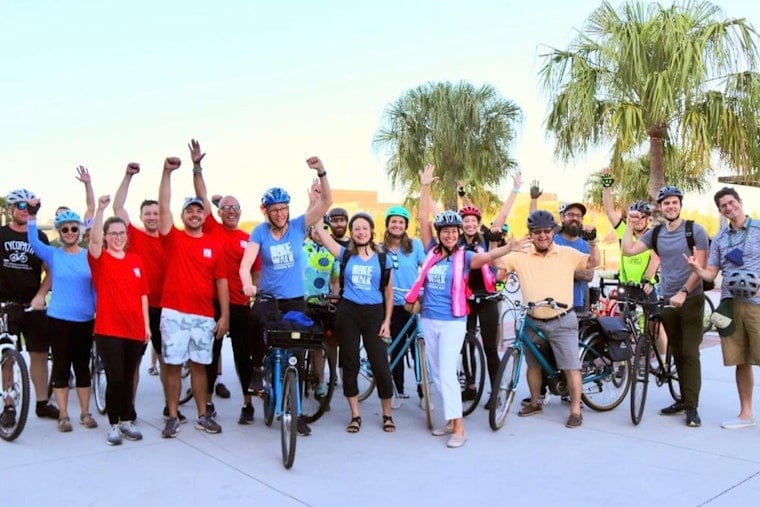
<point x="689" y="242"/>
<point x="385" y="273"/>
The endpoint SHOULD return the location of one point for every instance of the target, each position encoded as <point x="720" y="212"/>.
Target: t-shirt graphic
<point x="361" y="277"/>
<point x="436" y="277"/>
<point x="282" y="256"/>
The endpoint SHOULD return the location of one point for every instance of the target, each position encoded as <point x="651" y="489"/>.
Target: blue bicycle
<point x="605" y="381"/>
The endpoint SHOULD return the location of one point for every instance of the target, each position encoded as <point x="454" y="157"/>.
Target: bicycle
<point x="646" y="359"/>
<point x="707" y="324"/>
<point x="98" y="379"/>
<point x="605" y="381"/>
<point x="319" y="366"/>
<point x="15" y="380"/>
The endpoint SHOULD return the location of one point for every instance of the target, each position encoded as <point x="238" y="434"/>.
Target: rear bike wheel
<point x="640" y="377"/>
<point x="424" y="380"/>
<point x="512" y="285"/>
<point x="605" y="382"/>
<point x="708" y="311"/>
<point x="185" y="387"/>
<point x="268" y="397"/>
<point x="672" y="373"/>
<point x="98" y="379"/>
<point x="471" y="372"/>
<point x="289" y="417"/>
<point x="313" y="403"/>
<point x="15" y="394"/>
<point x="366" y="379"/>
<point x="504" y="388"/>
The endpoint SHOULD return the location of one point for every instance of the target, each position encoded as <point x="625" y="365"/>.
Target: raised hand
<point x="172" y="163"/>
<point x="316" y="164"/>
<point x="133" y="168"/>
<point x="589" y="232"/>
<point x="103" y="202"/>
<point x="535" y="189"/>
<point x="427" y="176"/>
<point x="517" y="179"/>
<point x="606" y="177"/>
<point x="315" y="191"/>
<point x="33" y="206"/>
<point x="215" y="199"/>
<point x="83" y="175"/>
<point x="196" y="154"/>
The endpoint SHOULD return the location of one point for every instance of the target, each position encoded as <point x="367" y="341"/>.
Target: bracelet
<point x="322" y="174"/>
<point x="197" y="171"/>
<point x="516" y="190"/>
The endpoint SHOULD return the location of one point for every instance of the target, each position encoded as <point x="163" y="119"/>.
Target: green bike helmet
<point x="397" y="211"/>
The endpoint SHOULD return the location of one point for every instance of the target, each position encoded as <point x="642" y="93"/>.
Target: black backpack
<point x="689" y="242"/>
<point x="385" y="273"/>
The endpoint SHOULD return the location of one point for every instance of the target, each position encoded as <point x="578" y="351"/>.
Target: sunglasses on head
<point x="67" y="230"/>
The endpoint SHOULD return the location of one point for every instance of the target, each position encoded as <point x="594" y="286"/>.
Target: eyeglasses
<point x="394" y="260"/>
<point x="117" y="234"/>
<point x="230" y="207"/>
<point x="542" y="231"/>
<point x="574" y="215"/>
<point x="22" y="205"/>
<point x="278" y="210"/>
<point x="66" y="230"/>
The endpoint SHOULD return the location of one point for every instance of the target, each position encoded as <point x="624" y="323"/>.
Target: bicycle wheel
<point x="471" y="371"/>
<point x="708" y="311"/>
<point x="268" y="397"/>
<point x="605" y="382"/>
<point x="366" y="379"/>
<point x="508" y="323"/>
<point x="313" y="405"/>
<point x="424" y="380"/>
<point x="673" y="384"/>
<point x="185" y="387"/>
<point x="15" y="383"/>
<point x="505" y="386"/>
<point x="98" y="379"/>
<point x="640" y="377"/>
<point x="289" y="417"/>
<point x="512" y="284"/>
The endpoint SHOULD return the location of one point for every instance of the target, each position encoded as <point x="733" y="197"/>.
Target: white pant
<point x="443" y="343"/>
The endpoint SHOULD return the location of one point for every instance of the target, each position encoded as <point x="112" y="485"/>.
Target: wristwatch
<point x="684" y="289"/>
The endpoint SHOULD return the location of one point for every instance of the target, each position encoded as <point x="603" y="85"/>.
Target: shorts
<point x="186" y="336"/>
<point x="743" y="346"/>
<point x="562" y="334"/>
<point x="32" y="325"/>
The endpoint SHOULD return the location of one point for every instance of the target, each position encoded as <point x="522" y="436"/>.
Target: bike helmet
<point x="66" y="216"/>
<point x="338" y="212"/>
<point x="397" y="211"/>
<point x="448" y="218"/>
<point x="743" y="283"/>
<point x="20" y="195"/>
<point x="365" y="216"/>
<point x="565" y="206"/>
<point x="667" y="191"/>
<point x="540" y="219"/>
<point x="275" y="195"/>
<point x="641" y="207"/>
<point x="470" y="211"/>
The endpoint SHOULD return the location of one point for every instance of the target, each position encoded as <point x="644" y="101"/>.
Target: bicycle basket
<point x="293" y="339"/>
<point x="616" y="334"/>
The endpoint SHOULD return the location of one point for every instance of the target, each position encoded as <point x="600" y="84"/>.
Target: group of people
<point x="117" y="289"/>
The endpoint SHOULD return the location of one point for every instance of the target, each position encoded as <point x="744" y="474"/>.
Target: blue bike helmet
<point x="448" y="218"/>
<point x="275" y="195"/>
<point x="667" y="191"/>
<point x="66" y="216"/>
<point x="641" y="207"/>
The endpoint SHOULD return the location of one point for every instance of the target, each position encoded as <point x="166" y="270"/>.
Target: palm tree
<point x="466" y="131"/>
<point x="662" y="78"/>
<point x="4" y="212"/>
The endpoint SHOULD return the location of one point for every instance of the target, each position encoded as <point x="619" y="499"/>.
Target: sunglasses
<point x="394" y="260"/>
<point x="22" y="205"/>
<point x="66" y="230"/>
<point x="230" y="207"/>
<point x="542" y="231"/>
<point x="278" y="210"/>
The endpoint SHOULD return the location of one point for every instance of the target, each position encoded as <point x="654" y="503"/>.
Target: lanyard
<point x="732" y="233"/>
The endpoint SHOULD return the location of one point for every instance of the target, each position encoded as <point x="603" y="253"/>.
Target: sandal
<point x="355" y="425"/>
<point x="388" y="425"/>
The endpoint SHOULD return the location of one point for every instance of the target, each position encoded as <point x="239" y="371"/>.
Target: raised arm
<point x="315" y="213"/>
<point x="332" y="246"/>
<point x="627" y="244"/>
<point x="165" y="218"/>
<point x="613" y="215"/>
<point x="41" y="250"/>
<point x="466" y="201"/>
<point x="120" y="198"/>
<point x="426" y="178"/>
<point x="196" y="155"/>
<point x="507" y="207"/>
<point x="83" y="175"/>
<point x="95" y="247"/>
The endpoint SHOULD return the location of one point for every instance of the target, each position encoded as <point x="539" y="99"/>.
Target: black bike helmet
<point x="338" y="212"/>
<point x="365" y="216"/>
<point x="641" y="207"/>
<point x="540" y="219"/>
<point x="667" y="191"/>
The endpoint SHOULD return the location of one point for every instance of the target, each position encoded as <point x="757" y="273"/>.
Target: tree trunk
<point x="656" y="161"/>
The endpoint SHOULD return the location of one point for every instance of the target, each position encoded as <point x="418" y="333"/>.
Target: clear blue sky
<point x="261" y="85"/>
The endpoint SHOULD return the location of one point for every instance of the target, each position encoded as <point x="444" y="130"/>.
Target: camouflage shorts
<point x="186" y="336"/>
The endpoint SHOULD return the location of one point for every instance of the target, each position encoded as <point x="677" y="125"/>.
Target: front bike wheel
<point x="268" y="397"/>
<point x="15" y="394"/>
<point x="471" y="372"/>
<point x="605" y="382"/>
<point x="640" y="377"/>
<point x="424" y="380"/>
<point x="98" y="380"/>
<point x="673" y="383"/>
<point x="504" y="388"/>
<point x="185" y="387"/>
<point x="314" y="403"/>
<point x="366" y="380"/>
<point x="289" y="417"/>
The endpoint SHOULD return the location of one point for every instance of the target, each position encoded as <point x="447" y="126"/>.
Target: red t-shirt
<point x="192" y="267"/>
<point x="151" y="251"/>
<point x="233" y="243"/>
<point x="119" y="286"/>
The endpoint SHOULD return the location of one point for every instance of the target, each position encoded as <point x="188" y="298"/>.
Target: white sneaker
<point x="129" y="431"/>
<point x="114" y="435"/>
<point x="737" y="423"/>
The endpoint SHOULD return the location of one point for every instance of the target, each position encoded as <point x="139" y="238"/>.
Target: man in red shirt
<point x="194" y="276"/>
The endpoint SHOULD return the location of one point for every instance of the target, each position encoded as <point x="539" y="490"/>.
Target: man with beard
<point x="194" y="275"/>
<point x="575" y="235"/>
<point x="338" y="222"/>
<point x="682" y="288"/>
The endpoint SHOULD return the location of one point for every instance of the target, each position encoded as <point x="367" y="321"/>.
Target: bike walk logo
<point x="361" y="277"/>
<point x="436" y="277"/>
<point x="282" y="256"/>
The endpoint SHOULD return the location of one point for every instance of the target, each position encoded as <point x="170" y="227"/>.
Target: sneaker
<point x="574" y="421"/>
<point x="171" y="428"/>
<point x="303" y="428"/>
<point x="128" y="430"/>
<point x="180" y="416"/>
<point x="257" y="381"/>
<point x="114" y="435"/>
<point x="455" y="441"/>
<point x="208" y="424"/>
<point x="47" y="410"/>
<point x="64" y="425"/>
<point x="321" y="391"/>
<point x="674" y="409"/>
<point x="442" y="431"/>
<point x="469" y="393"/>
<point x="422" y="404"/>
<point x="153" y="371"/>
<point x="530" y="409"/>
<point x="87" y="421"/>
<point x="692" y="418"/>
<point x="8" y="417"/>
<point x="222" y="391"/>
<point x="246" y="414"/>
<point x="738" y="423"/>
<point x="210" y="409"/>
<point x="403" y="396"/>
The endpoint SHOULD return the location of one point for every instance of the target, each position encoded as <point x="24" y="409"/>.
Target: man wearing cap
<point x="194" y="277"/>
<point x="735" y="250"/>
<point x="572" y="233"/>
<point x="338" y="222"/>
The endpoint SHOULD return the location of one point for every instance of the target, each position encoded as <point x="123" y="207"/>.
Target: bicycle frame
<point x="276" y="359"/>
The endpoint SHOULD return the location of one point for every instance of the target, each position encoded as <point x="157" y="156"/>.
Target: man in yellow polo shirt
<point x="547" y="270"/>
